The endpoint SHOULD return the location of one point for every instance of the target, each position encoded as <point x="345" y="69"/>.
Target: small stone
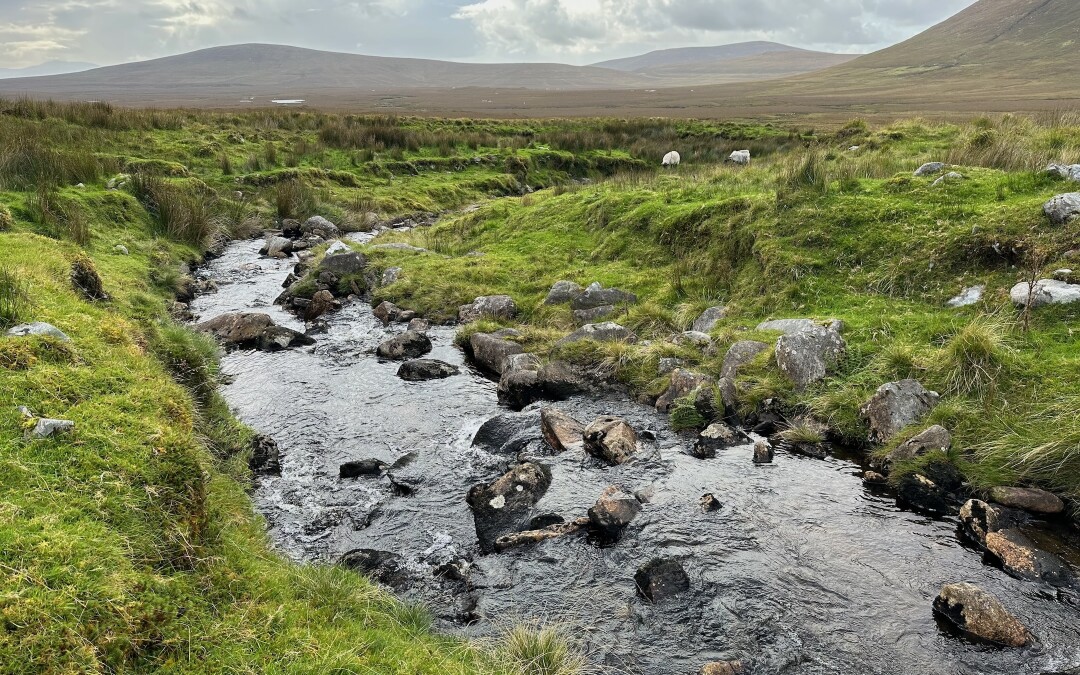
<point x="723" y="668"/>
<point x="121" y="249"/>
<point x="874" y="478"/>
<point x="929" y="169"/>
<point x="763" y="452"/>
<point x="710" y="503"/>
<point x="420" y="370"/>
<point x="968" y="296"/>
<point x="563" y="292"/>
<point x="561" y="431"/>
<point x="715" y="437"/>
<point x="363" y="467"/>
<point x="708" y="319"/>
<point x="47" y="428"/>
<point x="407" y="345"/>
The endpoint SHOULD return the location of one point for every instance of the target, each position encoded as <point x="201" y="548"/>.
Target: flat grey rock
<point x="38" y="328"/>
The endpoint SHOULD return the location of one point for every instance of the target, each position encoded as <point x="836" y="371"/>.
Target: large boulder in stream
<point x="252" y="330"/>
<point x="420" y="370"/>
<point x="265" y="456"/>
<point x="611" y="439"/>
<point x="661" y="579"/>
<point x="978" y="519"/>
<point x="561" y="431"/>
<point x="519" y="387"/>
<point x="894" y="406"/>
<point x="489" y="350"/>
<point x="508" y="433"/>
<point x="981" y="615"/>
<point x="503" y="506"/>
<point x="407" y="345"/>
<point x="613" y="511"/>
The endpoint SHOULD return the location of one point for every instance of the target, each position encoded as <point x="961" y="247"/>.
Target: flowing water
<point x="803" y="569"/>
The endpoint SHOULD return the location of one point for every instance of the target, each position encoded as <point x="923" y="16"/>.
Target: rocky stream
<point x="793" y="566"/>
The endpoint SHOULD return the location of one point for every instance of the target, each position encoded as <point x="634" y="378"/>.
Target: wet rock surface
<point x="976" y="612"/>
<point x="792" y="557"/>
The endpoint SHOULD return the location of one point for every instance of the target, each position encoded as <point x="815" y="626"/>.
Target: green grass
<point x="131" y="546"/>
<point x="821" y="232"/>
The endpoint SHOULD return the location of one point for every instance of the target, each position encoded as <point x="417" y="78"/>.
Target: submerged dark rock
<point x="419" y="370"/>
<point x="661" y="579"/>
<point x="265" y="456"/>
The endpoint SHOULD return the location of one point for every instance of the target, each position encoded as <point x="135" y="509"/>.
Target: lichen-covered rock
<point x="1063" y="209"/>
<point x="599" y="332"/>
<point x="488" y="306"/>
<point x="1032" y="500"/>
<point x="407" y="345"/>
<point x="321" y="227"/>
<point x="45" y="427"/>
<point x="594" y="314"/>
<point x="723" y="668"/>
<point x="1045" y="292"/>
<point x="979" y="614"/>
<point x="563" y="292"/>
<point x="38" y="328"/>
<point x="1021" y="558"/>
<point x="661" y="579"/>
<point x="740" y="354"/>
<point x="503" y="506"/>
<point x="978" y="519"/>
<point x="610" y="439"/>
<point x="929" y="169"/>
<point x="561" y="431"/>
<point x="936" y="438"/>
<point x="806" y="356"/>
<point x="597" y="296"/>
<point x="894" y="406"/>
<point x="708" y="319"/>
<point x="683" y="383"/>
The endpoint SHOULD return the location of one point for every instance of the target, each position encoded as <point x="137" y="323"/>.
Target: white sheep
<point x="672" y="159"/>
<point x="740" y="157"/>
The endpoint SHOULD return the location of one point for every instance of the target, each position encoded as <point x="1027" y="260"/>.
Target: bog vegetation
<point x="131" y="544"/>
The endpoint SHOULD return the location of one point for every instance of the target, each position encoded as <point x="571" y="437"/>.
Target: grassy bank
<point x="822" y="231"/>
<point x="130" y="545"/>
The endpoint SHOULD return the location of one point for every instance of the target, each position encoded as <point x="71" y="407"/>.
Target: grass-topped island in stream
<point x="834" y="294"/>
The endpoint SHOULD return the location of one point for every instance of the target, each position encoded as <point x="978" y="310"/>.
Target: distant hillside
<point x="49" y="68"/>
<point x="226" y="74"/>
<point x="766" y="66"/>
<point x="689" y="55"/>
<point x="992" y="48"/>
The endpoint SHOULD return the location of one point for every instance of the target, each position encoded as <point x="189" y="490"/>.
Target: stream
<point x="803" y="569"/>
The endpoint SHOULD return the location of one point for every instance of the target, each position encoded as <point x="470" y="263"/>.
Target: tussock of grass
<point x="540" y="651"/>
<point x="974" y="359"/>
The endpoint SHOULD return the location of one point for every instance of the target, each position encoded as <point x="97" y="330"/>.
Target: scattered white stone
<point x="337" y="247"/>
<point x="968" y="297"/>
<point x="46" y="428"/>
<point x="1062" y="274"/>
<point x="121" y="249"/>
<point x="1046" y="292"/>
<point x="1065" y="171"/>
<point x="854" y="148"/>
<point x="672" y="159"/>
<point x="38" y="328"/>
<point x="929" y="169"/>
<point x="948" y="178"/>
<point x="1063" y="208"/>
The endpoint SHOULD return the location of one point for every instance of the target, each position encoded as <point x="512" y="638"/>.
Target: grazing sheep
<point x="672" y="159"/>
<point x="740" y="157"/>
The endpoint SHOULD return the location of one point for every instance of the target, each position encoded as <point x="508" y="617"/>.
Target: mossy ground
<point x="821" y="232"/>
<point x="131" y="546"/>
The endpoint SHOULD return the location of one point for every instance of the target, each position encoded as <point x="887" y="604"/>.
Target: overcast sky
<point x="571" y="31"/>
